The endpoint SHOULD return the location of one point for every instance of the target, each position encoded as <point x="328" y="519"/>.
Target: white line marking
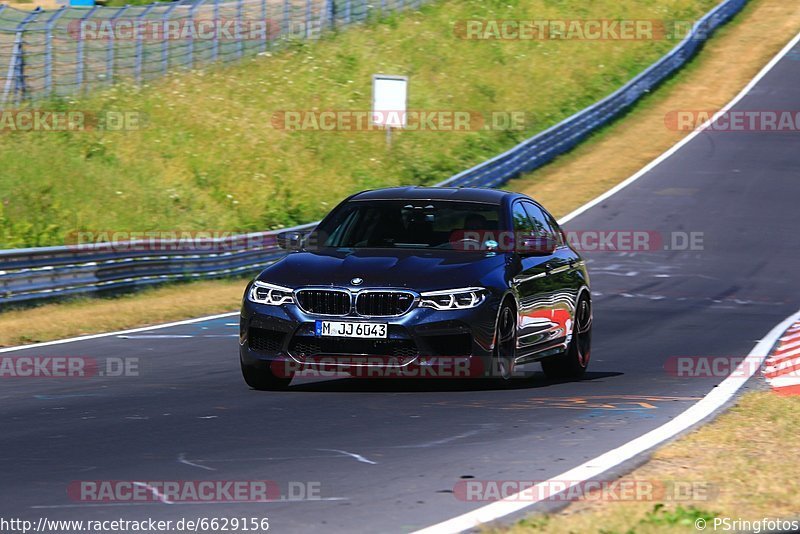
<point x="182" y="459"/>
<point x="120" y="332"/>
<point x="351" y="455"/>
<point x="156" y="336"/>
<point x="292" y="499"/>
<point x="174" y="336"/>
<point x="705" y="407"/>
<point x="161" y="497"/>
<point x="592" y="469"/>
<point x="89" y="505"/>
<point x="443" y="441"/>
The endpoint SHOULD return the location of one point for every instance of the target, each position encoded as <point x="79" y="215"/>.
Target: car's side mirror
<point x="290" y="240"/>
<point x="536" y="245"/>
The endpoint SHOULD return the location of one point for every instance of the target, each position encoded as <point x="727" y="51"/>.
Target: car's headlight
<point x="270" y="294"/>
<point x="453" y="299"/>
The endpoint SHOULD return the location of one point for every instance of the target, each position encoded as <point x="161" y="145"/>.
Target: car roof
<point x="467" y="194"/>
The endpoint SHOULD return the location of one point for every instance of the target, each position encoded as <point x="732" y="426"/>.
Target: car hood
<point x="420" y="270"/>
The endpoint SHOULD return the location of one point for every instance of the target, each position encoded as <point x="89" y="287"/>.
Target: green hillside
<point x="209" y="156"/>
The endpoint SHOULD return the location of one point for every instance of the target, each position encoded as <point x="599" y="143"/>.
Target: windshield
<point x="406" y="223"/>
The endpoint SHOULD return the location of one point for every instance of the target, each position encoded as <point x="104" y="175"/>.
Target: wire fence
<point x="73" y="49"/>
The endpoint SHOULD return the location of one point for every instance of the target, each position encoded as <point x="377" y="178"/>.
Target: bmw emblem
<point x="357" y="281"/>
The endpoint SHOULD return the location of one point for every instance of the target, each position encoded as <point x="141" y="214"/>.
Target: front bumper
<point x="460" y="342"/>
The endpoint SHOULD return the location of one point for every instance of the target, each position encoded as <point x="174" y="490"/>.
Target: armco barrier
<point x="41" y="273"/>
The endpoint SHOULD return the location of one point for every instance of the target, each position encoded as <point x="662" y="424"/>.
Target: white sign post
<point x="389" y="102"/>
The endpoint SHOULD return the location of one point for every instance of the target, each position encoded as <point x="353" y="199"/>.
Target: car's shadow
<point x="395" y="385"/>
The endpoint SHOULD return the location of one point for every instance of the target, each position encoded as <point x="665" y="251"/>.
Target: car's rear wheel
<point x="264" y="379"/>
<point x="573" y="362"/>
<point x="505" y="348"/>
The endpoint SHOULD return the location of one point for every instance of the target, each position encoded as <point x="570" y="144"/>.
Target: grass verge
<point x="746" y="458"/>
<point x="208" y="156"/>
<point x="95" y="315"/>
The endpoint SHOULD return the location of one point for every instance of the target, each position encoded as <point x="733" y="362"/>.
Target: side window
<point x="559" y="233"/>
<point x="538" y="219"/>
<point x="522" y="222"/>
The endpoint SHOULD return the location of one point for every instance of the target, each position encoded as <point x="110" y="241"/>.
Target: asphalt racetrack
<point x="385" y="456"/>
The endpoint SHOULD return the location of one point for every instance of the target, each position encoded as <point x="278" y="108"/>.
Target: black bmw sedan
<point x="417" y="281"/>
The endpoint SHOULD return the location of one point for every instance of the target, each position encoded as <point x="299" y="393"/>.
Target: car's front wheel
<point x="573" y="362"/>
<point x="264" y="379"/>
<point x="505" y="348"/>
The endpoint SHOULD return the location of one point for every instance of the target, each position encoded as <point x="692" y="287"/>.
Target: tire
<point x="264" y="379"/>
<point x="572" y="363"/>
<point x="505" y="348"/>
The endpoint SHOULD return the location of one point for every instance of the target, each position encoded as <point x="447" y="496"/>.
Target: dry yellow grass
<point x="91" y="316"/>
<point x="725" y="65"/>
<point x="33" y="4"/>
<point x="747" y="457"/>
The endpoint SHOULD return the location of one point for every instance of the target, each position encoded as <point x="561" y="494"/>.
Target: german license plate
<point x="351" y="329"/>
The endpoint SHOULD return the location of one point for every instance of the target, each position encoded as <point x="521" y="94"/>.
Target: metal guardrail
<point x="69" y="50"/>
<point x="42" y="273"/>
<point x="47" y="272"/>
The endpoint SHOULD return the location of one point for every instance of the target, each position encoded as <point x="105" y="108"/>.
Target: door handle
<point x="528" y="277"/>
<point x="557" y="269"/>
